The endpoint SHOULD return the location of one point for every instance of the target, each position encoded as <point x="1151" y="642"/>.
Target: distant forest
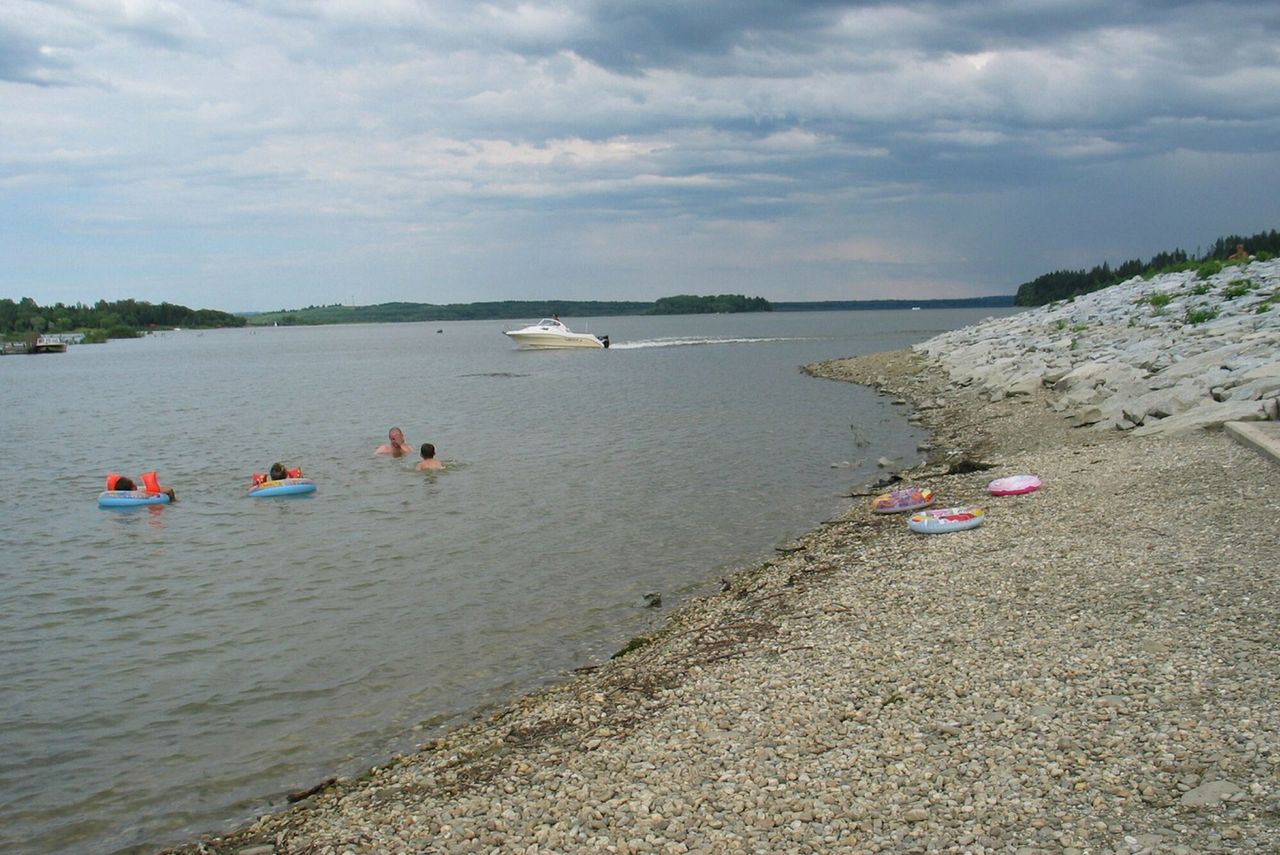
<point x="1065" y="284"/>
<point x="687" y="304"/>
<point x="103" y="320"/>
<point x="998" y="300"/>
<point x="680" y="304"/>
<point x="129" y="318"/>
<point x="397" y="312"/>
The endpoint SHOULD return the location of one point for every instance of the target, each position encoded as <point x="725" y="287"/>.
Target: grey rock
<point x="1086" y="417"/>
<point x="1207" y="415"/>
<point x="1209" y="793"/>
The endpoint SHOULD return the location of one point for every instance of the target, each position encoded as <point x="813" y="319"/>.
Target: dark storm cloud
<point x="22" y="60"/>
<point x="630" y="37"/>
<point x="797" y="148"/>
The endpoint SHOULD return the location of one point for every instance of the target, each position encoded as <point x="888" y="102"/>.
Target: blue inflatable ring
<point x="130" y="498"/>
<point x="946" y="519"/>
<point x="283" y="487"/>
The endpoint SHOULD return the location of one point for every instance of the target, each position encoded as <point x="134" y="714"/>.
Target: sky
<point x="265" y="154"/>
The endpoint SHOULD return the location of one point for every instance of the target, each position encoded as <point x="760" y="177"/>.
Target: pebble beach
<point x="1095" y="669"/>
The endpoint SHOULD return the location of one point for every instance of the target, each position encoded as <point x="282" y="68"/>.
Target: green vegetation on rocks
<point x="1066" y="284"/>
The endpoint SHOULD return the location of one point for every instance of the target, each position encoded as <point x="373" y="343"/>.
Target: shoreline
<point x="1093" y="670"/>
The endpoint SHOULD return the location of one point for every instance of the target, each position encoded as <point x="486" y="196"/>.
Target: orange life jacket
<point x="151" y="483"/>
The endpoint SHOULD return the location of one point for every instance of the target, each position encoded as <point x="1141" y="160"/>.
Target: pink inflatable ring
<point x="1014" y="485"/>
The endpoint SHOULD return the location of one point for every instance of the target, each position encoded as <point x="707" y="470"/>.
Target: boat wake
<point x="693" y="342"/>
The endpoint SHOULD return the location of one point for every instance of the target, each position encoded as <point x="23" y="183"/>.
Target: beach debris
<point x="965" y="465"/>
<point x="898" y="501"/>
<point x="633" y="645"/>
<point x="299" y="795"/>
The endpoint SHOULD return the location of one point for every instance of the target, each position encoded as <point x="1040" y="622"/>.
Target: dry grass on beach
<point x="1094" y="670"/>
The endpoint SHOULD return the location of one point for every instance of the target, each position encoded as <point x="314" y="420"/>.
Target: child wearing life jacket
<point x="278" y="473"/>
<point x="150" y="484"/>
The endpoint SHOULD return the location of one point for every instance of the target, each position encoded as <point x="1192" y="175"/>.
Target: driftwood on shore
<point x="299" y="795"/>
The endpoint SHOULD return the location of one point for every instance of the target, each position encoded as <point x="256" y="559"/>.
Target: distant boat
<point x="915" y="308"/>
<point x="49" y="344"/>
<point x="550" y="332"/>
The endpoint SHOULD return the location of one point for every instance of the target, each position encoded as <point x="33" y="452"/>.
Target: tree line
<point x="991" y="301"/>
<point x="507" y="309"/>
<point x="118" y="319"/>
<point x="689" y="304"/>
<point x="401" y="312"/>
<point x="1065" y="284"/>
<point x="126" y="318"/>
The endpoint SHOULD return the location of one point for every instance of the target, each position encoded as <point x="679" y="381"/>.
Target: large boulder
<point x="1163" y="403"/>
<point x="1208" y="414"/>
<point x="1211" y="364"/>
<point x="1262" y="381"/>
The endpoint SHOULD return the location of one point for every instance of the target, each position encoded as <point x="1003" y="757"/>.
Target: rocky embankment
<point x="1178" y="351"/>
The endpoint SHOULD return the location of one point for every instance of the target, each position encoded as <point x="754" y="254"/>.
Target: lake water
<point x="175" y="670"/>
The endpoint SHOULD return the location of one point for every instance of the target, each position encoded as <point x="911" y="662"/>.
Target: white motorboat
<point x="551" y="332"/>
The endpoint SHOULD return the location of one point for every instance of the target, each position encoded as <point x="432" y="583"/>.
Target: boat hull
<point x="545" y="341"/>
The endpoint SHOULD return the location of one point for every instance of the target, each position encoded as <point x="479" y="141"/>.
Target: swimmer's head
<point x="278" y="472"/>
<point x="396" y="436"/>
<point x="428" y="451"/>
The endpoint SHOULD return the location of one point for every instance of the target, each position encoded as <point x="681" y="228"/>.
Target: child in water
<point x="278" y="473"/>
<point x="428" y="460"/>
<point x="151" y="485"/>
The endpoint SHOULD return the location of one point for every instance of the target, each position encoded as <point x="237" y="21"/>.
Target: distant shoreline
<point x="517" y="309"/>
<point x="997" y="301"/>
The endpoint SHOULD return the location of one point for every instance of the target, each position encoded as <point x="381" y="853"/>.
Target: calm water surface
<point x="175" y="670"/>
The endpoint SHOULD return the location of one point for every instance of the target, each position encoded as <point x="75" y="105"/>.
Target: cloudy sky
<point x="264" y="154"/>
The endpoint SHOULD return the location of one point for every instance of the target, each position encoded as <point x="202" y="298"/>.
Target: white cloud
<point x="716" y="146"/>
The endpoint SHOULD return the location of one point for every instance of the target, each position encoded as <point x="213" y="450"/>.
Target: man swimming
<point x="396" y="445"/>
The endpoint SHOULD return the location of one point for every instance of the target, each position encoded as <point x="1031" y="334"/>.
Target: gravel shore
<point x="1094" y="670"/>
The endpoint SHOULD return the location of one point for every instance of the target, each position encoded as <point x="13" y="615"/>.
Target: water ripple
<point x="173" y="669"/>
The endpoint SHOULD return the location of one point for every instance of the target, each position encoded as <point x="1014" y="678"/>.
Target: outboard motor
<point x="604" y="339"/>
